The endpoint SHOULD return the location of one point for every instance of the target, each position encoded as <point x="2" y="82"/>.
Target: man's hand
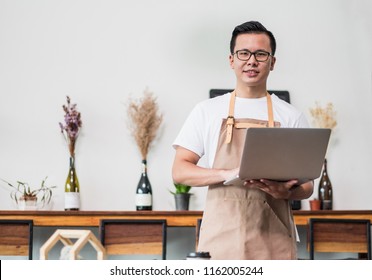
<point x="278" y="190"/>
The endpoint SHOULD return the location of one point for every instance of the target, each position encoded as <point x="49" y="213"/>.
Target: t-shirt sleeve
<point x="191" y="134"/>
<point x="302" y="121"/>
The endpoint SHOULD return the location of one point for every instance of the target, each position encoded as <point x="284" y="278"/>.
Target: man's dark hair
<point x="252" y="27"/>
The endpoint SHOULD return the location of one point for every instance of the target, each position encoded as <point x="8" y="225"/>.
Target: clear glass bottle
<point x="144" y="190"/>
<point x="72" y="188"/>
<point x="325" y="191"/>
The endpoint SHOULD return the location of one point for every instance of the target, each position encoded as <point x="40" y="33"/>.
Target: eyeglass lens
<point x="245" y="55"/>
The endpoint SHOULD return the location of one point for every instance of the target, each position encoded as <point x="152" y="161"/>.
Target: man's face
<point x="252" y="72"/>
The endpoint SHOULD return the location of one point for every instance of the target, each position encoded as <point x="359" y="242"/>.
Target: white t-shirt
<point x="201" y="129"/>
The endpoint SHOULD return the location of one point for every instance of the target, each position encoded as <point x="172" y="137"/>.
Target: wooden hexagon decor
<point x="65" y="236"/>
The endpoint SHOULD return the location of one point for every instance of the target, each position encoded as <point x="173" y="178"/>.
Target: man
<point x="253" y="221"/>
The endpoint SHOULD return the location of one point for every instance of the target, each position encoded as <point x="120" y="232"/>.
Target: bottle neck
<point x="72" y="162"/>
<point x="144" y="166"/>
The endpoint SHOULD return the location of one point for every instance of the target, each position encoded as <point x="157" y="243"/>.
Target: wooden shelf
<point x="174" y="218"/>
<point x="302" y="216"/>
<point x="92" y="218"/>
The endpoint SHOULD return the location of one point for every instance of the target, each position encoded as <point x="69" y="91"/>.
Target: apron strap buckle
<point x="230" y="124"/>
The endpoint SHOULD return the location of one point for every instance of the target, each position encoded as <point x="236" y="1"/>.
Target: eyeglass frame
<point x="254" y="55"/>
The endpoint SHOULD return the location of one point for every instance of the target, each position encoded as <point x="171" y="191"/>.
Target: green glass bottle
<point x="72" y="188"/>
<point x="144" y="191"/>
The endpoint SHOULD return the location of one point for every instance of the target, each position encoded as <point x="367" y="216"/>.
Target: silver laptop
<point x="282" y="154"/>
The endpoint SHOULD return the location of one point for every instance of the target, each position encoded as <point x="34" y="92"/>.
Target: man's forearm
<point x="196" y="176"/>
<point x="302" y="191"/>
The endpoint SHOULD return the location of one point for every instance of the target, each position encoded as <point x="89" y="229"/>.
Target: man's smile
<point x="251" y="72"/>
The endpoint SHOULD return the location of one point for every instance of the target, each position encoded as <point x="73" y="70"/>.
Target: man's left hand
<point x="278" y="190"/>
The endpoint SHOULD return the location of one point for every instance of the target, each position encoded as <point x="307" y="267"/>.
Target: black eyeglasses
<point x="245" y="55"/>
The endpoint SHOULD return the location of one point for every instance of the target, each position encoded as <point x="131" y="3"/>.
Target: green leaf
<point x="24" y="189"/>
<point x="181" y="188"/>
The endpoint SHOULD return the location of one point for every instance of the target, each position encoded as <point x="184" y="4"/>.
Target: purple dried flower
<point x="71" y="128"/>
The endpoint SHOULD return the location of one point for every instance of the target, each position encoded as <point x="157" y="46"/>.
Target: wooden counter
<point x="174" y="218"/>
<point x="92" y="218"/>
<point x="302" y="216"/>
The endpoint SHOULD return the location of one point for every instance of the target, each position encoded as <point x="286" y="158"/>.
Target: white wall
<point x="102" y="52"/>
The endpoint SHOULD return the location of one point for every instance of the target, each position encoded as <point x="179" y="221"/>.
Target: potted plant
<point x="182" y="196"/>
<point x="314" y="204"/>
<point x="27" y="197"/>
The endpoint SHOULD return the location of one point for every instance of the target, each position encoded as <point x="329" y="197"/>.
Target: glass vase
<point x="144" y="190"/>
<point x="325" y="190"/>
<point x="72" y="188"/>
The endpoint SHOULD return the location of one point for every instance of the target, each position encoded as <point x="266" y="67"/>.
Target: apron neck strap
<point x="270" y="110"/>
<point x="230" y="119"/>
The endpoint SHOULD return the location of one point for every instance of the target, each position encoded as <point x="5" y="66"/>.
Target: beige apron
<point x="243" y="223"/>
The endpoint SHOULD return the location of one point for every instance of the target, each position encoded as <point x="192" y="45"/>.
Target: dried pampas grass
<point x="144" y="121"/>
<point x="324" y="117"/>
